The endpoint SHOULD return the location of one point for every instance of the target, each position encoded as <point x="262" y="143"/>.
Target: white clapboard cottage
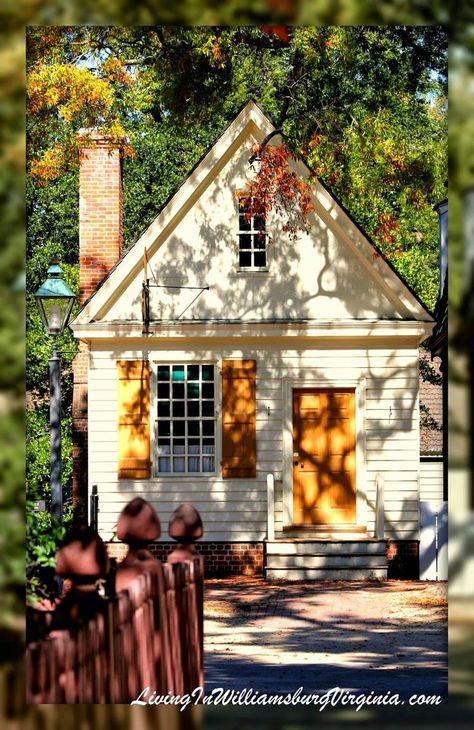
<point x="274" y="385"/>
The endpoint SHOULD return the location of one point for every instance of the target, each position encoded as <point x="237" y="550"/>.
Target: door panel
<point x="324" y="456"/>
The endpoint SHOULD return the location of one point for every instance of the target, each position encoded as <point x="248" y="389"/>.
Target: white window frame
<point x="252" y="232"/>
<point x="156" y="474"/>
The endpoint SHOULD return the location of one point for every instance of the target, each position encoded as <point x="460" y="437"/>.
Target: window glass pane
<point x="245" y="241"/>
<point x="193" y="390"/>
<point x="245" y="258"/>
<point x="207" y="463"/>
<point x="244" y="225"/>
<point x="178" y="446"/>
<point x="164" y="464"/>
<point x="163" y="372"/>
<point x="260" y="258"/>
<point x="208" y="408"/>
<point x="208" y="428"/>
<point x="208" y="372"/>
<point x="259" y="240"/>
<point x="178" y="390"/>
<point x="163" y="390"/>
<point x="164" y="446"/>
<point x="163" y="408"/>
<point x="178" y="373"/>
<point x="259" y="222"/>
<point x="208" y="390"/>
<point x="193" y="464"/>
<point x="193" y="428"/>
<point x="208" y="446"/>
<point x="178" y="408"/>
<point x="163" y="428"/>
<point x="193" y="372"/>
<point x="179" y="428"/>
<point x="193" y="443"/>
<point x="193" y="408"/>
<point x="179" y="464"/>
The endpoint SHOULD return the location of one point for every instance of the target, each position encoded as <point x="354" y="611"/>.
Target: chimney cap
<point x="93" y="135"/>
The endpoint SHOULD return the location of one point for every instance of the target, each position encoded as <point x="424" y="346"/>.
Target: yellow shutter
<point x="133" y="419"/>
<point x="239" y="439"/>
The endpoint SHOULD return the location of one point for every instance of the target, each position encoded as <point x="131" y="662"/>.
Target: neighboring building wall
<point x="431" y="479"/>
<point x="431" y="419"/>
<point x="236" y="509"/>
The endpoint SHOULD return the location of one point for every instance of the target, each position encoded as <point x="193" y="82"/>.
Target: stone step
<point x="359" y="573"/>
<point x="326" y="561"/>
<point x="324" y="547"/>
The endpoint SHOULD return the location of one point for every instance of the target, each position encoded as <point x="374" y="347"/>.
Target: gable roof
<point x="251" y="119"/>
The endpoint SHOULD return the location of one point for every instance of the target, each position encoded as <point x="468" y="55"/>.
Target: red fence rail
<point x="149" y="635"/>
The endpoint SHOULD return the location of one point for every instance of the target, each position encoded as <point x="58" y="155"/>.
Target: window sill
<point x="253" y="271"/>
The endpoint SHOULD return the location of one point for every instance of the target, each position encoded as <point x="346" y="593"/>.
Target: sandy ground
<point x="274" y="638"/>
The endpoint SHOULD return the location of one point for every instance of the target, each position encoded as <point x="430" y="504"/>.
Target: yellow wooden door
<point x="324" y="457"/>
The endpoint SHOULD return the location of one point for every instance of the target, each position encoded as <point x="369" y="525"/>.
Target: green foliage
<point x="44" y="534"/>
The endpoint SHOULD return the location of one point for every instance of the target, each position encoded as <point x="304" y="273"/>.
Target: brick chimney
<point x="100" y="210"/>
<point x="100" y="245"/>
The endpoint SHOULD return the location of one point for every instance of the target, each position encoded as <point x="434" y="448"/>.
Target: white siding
<point x="236" y="509"/>
<point x="431" y="480"/>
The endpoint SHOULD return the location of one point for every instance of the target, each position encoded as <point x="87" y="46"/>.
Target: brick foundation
<point x="403" y="559"/>
<point x="246" y="558"/>
<point x="220" y="558"/>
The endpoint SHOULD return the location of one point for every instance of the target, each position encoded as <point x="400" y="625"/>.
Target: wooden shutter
<point x="239" y="439"/>
<point x="133" y="419"/>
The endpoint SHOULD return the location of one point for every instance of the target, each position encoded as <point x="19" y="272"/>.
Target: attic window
<point x="252" y="240"/>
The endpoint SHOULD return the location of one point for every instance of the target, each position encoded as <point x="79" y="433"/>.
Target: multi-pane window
<point x="252" y="239"/>
<point x="185" y="419"/>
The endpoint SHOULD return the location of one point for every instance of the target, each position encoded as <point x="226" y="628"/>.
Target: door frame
<point x="359" y="387"/>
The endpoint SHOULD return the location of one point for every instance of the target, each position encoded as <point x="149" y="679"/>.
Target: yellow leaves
<point x="80" y="98"/>
<point x="72" y="91"/>
<point x="50" y="166"/>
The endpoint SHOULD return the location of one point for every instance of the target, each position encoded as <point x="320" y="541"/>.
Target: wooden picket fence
<point x="149" y="635"/>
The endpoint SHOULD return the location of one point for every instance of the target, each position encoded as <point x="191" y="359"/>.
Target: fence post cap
<point x="81" y="552"/>
<point x="185" y="523"/>
<point x="138" y="522"/>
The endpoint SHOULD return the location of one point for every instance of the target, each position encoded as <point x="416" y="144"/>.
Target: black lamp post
<point x="55" y="301"/>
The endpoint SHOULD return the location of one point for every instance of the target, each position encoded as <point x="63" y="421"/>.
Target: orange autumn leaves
<point x="277" y="187"/>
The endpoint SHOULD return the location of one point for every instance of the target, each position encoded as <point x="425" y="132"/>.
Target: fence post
<point x="270" y="507"/>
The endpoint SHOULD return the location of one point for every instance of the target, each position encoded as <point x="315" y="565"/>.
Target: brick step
<point x="358" y="573"/>
<point x="325" y="547"/>
<point x="338" y="562"/>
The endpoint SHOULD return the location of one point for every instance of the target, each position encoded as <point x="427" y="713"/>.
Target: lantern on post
<point x="55" y="301"/>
